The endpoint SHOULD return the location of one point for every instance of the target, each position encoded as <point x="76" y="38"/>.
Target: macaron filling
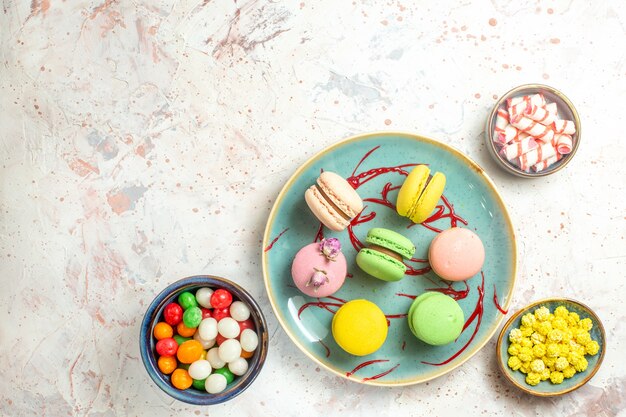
<point x="330" y="202"/>
<point x="385" y="251"/>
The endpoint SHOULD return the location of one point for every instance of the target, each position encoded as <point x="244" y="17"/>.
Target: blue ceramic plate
<point x="376" y="165"/>
<point x="546" y="388"/>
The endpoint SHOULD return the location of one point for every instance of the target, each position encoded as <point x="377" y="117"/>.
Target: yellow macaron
<point x="420" y="194"/>
<point x="359" y="327"/>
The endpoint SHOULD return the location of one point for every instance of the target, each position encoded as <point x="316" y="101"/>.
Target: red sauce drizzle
<point x="325" y="347"/>
<point x="403" y="344"/>
<point x="274" y="241"/>
<point x="384" y="201"/>
<point x="382" y="374"/>
<point x="320" y="233"/>
<point x="363" y="365"/>
<point x="476" y="314"/>
<point x="356" y="243"/>
<point x="456" y="294"/>
<point x="321" y="304"/>
<point x="495" y="301"/>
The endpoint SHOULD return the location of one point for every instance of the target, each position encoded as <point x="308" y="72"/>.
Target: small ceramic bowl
<point x="154" y="314"/>
<point x="566" y="111"/>
<point x="547" y="388"/>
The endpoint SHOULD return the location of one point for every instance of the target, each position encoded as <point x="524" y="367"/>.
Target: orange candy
<point x="163" y="330"/>
<point x="181" y="379"/>
<point x="185" y="331"/>
<point x="246" y="355"/>
<point x="190" y="351"/>
<point x="167" y="364"/>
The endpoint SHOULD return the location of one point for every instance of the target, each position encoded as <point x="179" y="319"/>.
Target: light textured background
<point x="143" y="141"/>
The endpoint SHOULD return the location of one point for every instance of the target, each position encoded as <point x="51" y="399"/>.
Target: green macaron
<point x="436" y="318"/>
<point x="382" y="257"/>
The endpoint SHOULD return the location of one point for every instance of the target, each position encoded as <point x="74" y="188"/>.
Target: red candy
<point x="167" y="347"/>
<point x="246" y="324"/>
<point x="221" y="299"/>
<point x="173" y="314"/>
<point x="220" y="313"/>
<point x="206" y="313"/>
<point x="219" y="339"/>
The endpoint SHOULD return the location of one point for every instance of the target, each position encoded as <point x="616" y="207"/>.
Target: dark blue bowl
<point x="147" y="342"/>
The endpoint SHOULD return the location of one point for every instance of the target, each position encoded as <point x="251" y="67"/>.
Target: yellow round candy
<point x="359" y="327"/>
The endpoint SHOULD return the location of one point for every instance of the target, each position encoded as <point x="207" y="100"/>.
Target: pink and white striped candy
<point x="534" y="129"/>
<point x="540" y="166"/>
<point x="508" y="134"/>
<point x="541" y="115"/>
<point x="536" y="155"/>
<point x="563" y="143"/>
<point x="502" y="119"/>
<point x="520" y="107"/>
<point x="564" y="126"/>
<point x="552" y="108"/>
<point x="516" y="149"/>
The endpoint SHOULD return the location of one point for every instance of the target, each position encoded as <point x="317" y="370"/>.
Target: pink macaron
<point x="319" y="269"/>
<point x="456" y="254"/>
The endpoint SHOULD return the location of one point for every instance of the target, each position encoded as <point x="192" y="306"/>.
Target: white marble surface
<point x="143" y="141"/>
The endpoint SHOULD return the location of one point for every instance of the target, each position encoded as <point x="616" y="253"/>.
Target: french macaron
<point x="420" y="193"/>
<point x="359" y="327"/>
<point x="382" y="257"/>
<point x="456" y="254"/>
<point x="435" y="318"/>
<point x="319" y="269"/>
<point x="333" y="201"/>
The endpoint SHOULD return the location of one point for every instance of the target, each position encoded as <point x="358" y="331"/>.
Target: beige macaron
<point x="333" y="201"/>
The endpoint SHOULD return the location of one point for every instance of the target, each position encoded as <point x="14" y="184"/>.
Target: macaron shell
<point x="414" y="305"/>
<point x="437" y="320"/>
<point x="359" y="327"/>
<point x="456" y="254"/>
<point x="380" y="265"/>
<point x="324" y="212"/>
<point x="429" y="198"/>
<point x="391" y="240"/>
<point x="341" y="193"/>
<point x="307" y="259"/>
<point x="411" y="189"/>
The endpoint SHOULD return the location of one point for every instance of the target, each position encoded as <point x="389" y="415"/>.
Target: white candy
<point x="203" y="297"/>
<point x="230" y="350"/>
<point x="206" y="344"/>
<point x="215" y="383"/>
<point x="249" y="340"/>
<point x="200" y="369"/>
<point x="208" y="328"/>
<point x="238" y="367"/>
<point x="228" y="327"/>
<point x="213" y="356"/>
<point x="239" y="311"/>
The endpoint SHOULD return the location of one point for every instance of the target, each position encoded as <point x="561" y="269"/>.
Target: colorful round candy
<point x="246" y="324"/>
<point x="185" y="331"/>
<point x="181" y="379"/>
<point x="189" y="351"/>
<point x="180" y="340"/>
<point x="230" y="350"/>
<point x="206" y="344"/>
<point x="214" y="359"/>
<point x="228" y="327"/>
<point x="249" y="340"/>
<point x="246" y="355"/>
<point x="239" y="311"/>
<point x="203" y="297"/>
<point x="167" y="364"/>
<point x="186" y="300"/>
<point x="200" y="369"/>
<point x="230" y="377"/>
<point x="162" y="330"/>
<point x="221" y="299"/>
<point x="220" y="313"/>
<point x="206" y="313"/>
<point x="208" y="328"/>
<point x="215" y="383"/>
<point x="192" y="317"/>
<point x="239" y="366"/>
<point x="199" y="384"/>
<point x="173" y="314"/>
<point x="167" y="347"/>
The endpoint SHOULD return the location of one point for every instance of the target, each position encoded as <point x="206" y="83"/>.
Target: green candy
<point x="230" y="377"/>
<point x="180" y="340"/>
<point x="187" y="300"/>
<point x="192" y="317"/>
<point x="184" y="366"/>
<point x="199" y="384"/>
